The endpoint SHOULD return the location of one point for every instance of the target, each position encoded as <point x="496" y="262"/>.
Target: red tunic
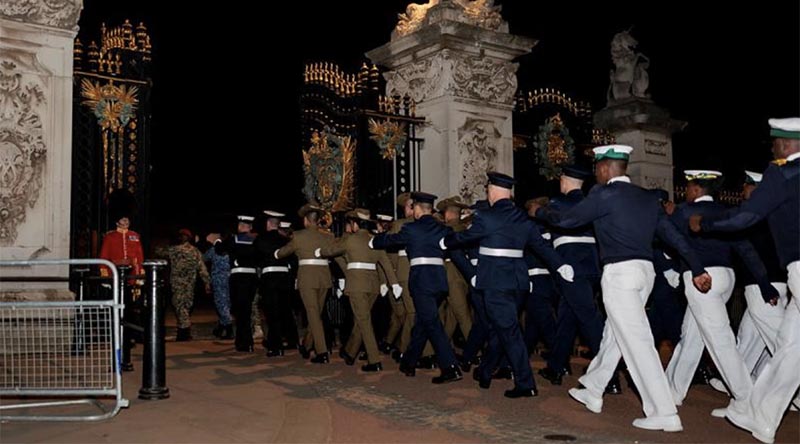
<point x="122" y="247"/>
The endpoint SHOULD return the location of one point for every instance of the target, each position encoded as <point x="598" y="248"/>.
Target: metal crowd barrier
<point x="55" y="354"/>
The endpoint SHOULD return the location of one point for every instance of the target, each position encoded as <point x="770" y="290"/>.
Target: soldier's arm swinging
<point x="584" y="213"/>
<point x="384" y="241"/>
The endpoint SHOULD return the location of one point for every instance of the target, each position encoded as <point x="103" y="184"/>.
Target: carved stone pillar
<point x="648" y="128"/>
<point x="454" y="59"/>
<point x="36" y="44"/>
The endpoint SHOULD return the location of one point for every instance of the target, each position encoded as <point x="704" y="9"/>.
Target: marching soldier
<point x="186" y="263"/>
<point x="275" y="286"/>
<point x="706" y="321"/>
<point x="398" y="316"/>
<point x="457" y="312"/>
<point x="504" y="231"/>
<point x="777" y="199"/>
<point x="540" y="324"/>
<point x="244" y="278"/>
<point x="362" y="284"/>
<point x="577" y="311"/>
<point x="626" y="218"/>
<point x="313" y="277"/>
<point x="428" y="285"/>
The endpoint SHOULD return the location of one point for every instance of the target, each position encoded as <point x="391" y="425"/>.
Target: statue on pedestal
<point x="629" y="77"/>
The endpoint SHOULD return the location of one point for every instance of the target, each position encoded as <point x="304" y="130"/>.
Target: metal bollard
<point x="154" y="363"/>
<point x="79" y="329"/>
<point x="125" y="297"/>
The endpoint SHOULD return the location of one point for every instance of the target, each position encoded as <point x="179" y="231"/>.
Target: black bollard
<point x="154" y="363"/>
<point x="127" y="335"/>
<point x="79" y="328"/>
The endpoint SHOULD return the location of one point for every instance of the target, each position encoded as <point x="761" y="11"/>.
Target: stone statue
<point x="629" y="77"/>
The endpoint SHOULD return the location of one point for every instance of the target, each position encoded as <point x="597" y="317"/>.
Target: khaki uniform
<point x="362" y="286"/>
<point x="457" y="308"/>
<point x="313" y="280"/>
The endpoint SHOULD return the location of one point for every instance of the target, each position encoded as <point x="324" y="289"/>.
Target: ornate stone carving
<point x="480" y="13"/>
<point x="655" y="182"/>
<point x="56" y="13"/>
<point x="477" y="143"/>
<point x="484" y="79"/>
<point x="656" y="147"/>
<point x="629" y="77"/>
<point x="478" y="78"/>
<point x="22" y="148"/>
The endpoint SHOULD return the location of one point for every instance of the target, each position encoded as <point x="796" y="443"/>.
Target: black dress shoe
<point x="503" y="373"/>
<point x="396" y="355"/>
<point x="303" y="351"/>
<point x="451" y="374"/>
<point x="376" y="367"/>
<point x="407" y="370"/>
<point x="465" y="365"/>
<point x="349" y="360"/>
<point x="184" y="334"/>
<point x="272" y="353"/>
<point x="227" y="332"/>
<point x="482" y="383"/>
<point x="385" y="347"/>
<point x="321" y="358"/>
<point x="551" y="375"/>
<point x="426" y="362"/>
<point x="244" y="348"/>
<point x="520" y="393"/>
<point x="362" y="356"/>
<point x="614" y="387"/>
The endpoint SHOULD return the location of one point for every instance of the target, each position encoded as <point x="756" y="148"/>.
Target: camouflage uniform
<point x="220" y="275"/>
<point x="186" y="263"/>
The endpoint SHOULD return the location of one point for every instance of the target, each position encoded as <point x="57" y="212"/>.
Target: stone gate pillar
<point x="36" y="43"/>
<point x="454" y="58"/>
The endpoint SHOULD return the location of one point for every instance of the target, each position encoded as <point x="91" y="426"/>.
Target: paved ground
<point x="218" y="395"/>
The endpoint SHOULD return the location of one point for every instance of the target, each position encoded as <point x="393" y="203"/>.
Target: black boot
<point x="272" y="353"/>
<point x="482" y="383"/>
<point x="551" y="375"/>
<point x="397" y="355"/>
<point x="245" y="348"/>
<point x="321" y="358"/>
<point x="520" y="393"/>
<point x="407" y="370"/>
<point x="227" y="332"/>
<point x="184" y="334"/>
<point x="465" y="364"/>
<point x="303" y="351"/>
<point x="349" y="360"/>
<point x="450" y="374"/>
<point x="503" y="373"/>
<point x="426" y="362"/>
<point x="614" y="387"/>
<point x="376" y="367"/>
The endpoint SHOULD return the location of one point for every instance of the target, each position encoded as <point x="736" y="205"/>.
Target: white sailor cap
<point x="271" y="213"/>
<point x="702" y="174"/>
<point x="285" y="225"/>
<point x="619" y="152"/>
<point x="788" y="128"/>
<point x="752" y="178"/>
<point x="384" y="217"/>
<point x="246" y="219"/>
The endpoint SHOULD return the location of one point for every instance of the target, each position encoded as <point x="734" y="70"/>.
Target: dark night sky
<point x="226" y="133"/>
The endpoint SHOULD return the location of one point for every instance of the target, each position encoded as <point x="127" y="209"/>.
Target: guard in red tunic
<point x="122" y="247"/>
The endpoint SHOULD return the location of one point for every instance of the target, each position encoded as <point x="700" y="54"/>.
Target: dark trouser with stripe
<point x="275" y="292"/>
<point x="243" y="291"/>
<point x="540" y="323"/>
<point x="480" y="329"/>
<point x="577" y="312"/>
<point x="427" y="326"/>
<point x="505" y="337"/>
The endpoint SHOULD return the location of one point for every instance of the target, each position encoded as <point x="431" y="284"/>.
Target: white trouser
<point x="626" y="287"/>
<point x="778" y="382"/>
<point x="706" y="323"/>
<point x="759" y="327"/>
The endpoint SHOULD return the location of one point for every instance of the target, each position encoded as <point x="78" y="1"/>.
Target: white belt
<point x="402" y="253"/>
<point x="360" y="266"/>
<point x="243" y="270"/>
<point x="573" y="240"/>
<point x="474" y="262"/>
<point x="426" y="261"/>
<point x="538" y="271"/>
<point x="313" y="262"/>
<point x="275" y="269"/>
<point x="500" y="252"/>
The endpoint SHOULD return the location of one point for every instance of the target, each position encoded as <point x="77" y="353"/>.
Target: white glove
<point x="566" y="272"/>
<point x="442" y="245"/>
<point x="384" y="289"/>
<point x="338" y="293"/>
<point x="341" y="284"/>
<point x="530" y="287"/>
<point x="473" y="280"/>
<point x="318" y="252"/>
<point x="370" y="243"/>
<point x="673" y="278"/>
<point x="397" y="290"/>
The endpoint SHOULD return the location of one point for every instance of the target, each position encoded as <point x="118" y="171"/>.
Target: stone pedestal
<point x="648" y="128"/>
<point x="454" y="59"/>
<point x="36" y="44"/>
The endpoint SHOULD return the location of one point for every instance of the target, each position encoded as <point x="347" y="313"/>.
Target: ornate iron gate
<point x="111" y="133"/>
